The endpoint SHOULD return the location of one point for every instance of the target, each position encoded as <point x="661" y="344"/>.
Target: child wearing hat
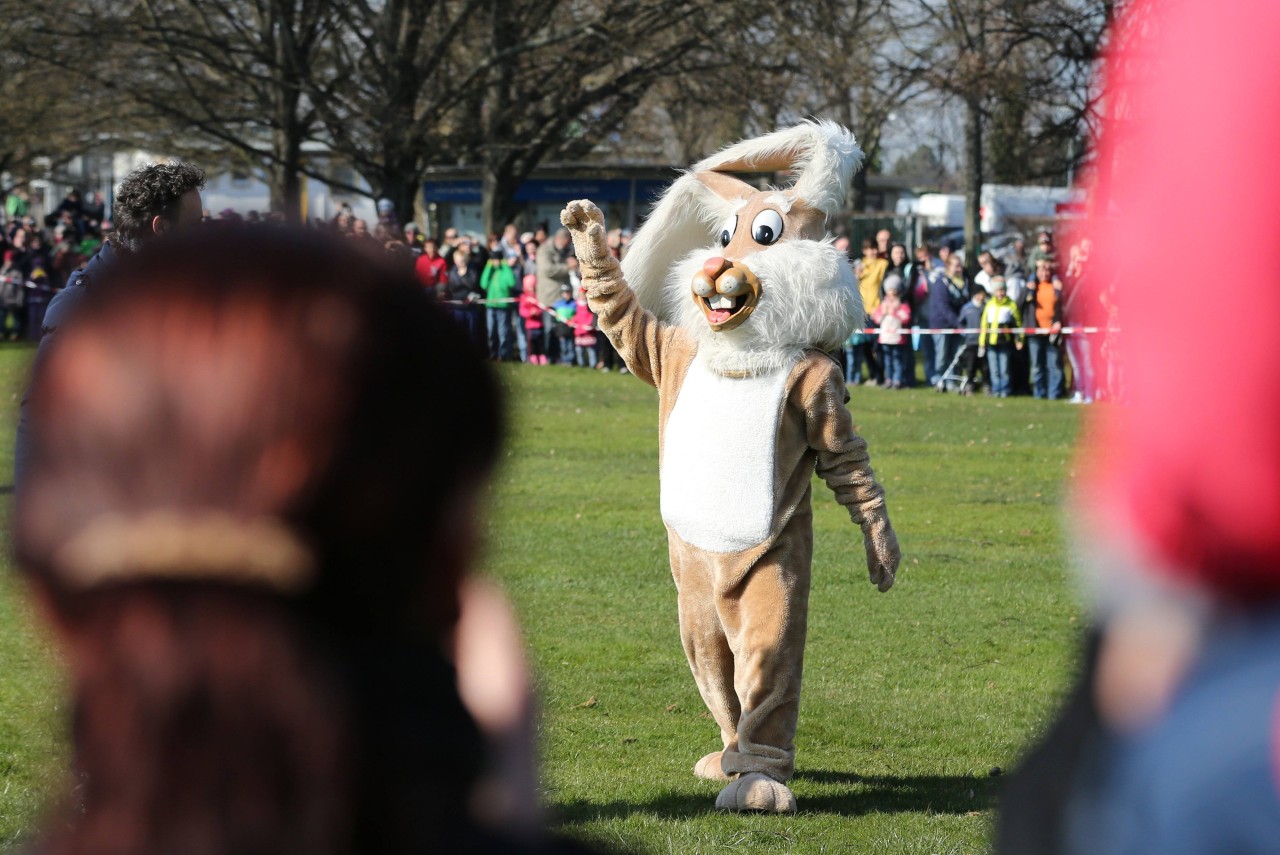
<point x="1000" y="314"/>
<point x="564" y="310"/>
<point x="893" y="315"/>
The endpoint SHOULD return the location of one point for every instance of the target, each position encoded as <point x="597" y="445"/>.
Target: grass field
<point x="911" y="698"/>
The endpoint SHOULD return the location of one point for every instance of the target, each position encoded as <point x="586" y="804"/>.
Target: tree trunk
<point x="497" y="185"/>
<point x="283" y="173"/>
<point x="497" y="205"/>
<point x="285" y="186"/>
<point x="858" y="190"/>
<point x="972" y="184"/>
<point x="403" y="188"/>
<point x="856" y="199"/>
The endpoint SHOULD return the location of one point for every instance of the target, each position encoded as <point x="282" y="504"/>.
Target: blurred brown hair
<point x="261" y="375"/>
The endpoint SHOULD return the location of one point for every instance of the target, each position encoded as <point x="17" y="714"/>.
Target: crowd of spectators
<point x="1025" y="288"/>
<point x="519" y="297"/>
<point x="40" y="254"/>
<point x="517" y="294"/>
<point x="486" y="285"/>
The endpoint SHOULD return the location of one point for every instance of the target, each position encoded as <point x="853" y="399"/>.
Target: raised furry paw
<point x="578" y="215"/>
<point x="709" y="768"/>
<point x="756" y="792"/>
<point x="585" y="223"/>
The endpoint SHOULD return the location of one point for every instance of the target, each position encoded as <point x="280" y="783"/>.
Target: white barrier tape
<point x="577" y="328"/>
<point x="998" y="330"/>
<point x="486" y="302"/>
<point x="874" y="330"/>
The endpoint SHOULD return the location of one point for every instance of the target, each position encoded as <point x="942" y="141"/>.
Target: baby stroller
<point x="953" y="375"/>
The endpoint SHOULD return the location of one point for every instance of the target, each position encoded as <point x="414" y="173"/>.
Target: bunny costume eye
<point x="727" y="230"/>
<point x="767" y="227"/>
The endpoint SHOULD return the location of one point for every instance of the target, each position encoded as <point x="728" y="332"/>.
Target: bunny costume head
<point x="752" y="274"/>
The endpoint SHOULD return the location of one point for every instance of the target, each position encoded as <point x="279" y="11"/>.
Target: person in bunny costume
<point x="727" y="303"/>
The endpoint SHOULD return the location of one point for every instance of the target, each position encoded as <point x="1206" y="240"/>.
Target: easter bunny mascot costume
<point x="727" y="302"/>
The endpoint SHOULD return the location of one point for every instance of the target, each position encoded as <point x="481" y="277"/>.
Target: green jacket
<point x="15" y="206"/>
<point x="498" y="282"/>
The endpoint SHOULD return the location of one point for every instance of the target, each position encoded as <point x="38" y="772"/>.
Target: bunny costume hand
<point x="585" y="223"/>
<point x="883" y="554"/>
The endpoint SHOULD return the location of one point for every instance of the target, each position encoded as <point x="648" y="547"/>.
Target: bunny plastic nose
<point x="714" y="266"/>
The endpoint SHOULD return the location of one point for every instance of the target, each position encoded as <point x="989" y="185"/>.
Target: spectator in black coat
<point x="947" y="297"/>
<point x="461" y="293"/>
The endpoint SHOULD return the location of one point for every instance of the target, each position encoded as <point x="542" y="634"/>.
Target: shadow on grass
<point x="956" y="794"/>
<point x="856" y="795"/>
<point x="668" y="806"/>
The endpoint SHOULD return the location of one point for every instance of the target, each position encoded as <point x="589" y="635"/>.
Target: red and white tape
<point x="1066" y="330"/>
<point x="990" y="330"/>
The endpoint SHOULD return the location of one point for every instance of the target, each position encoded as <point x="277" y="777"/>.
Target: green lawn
<point x="911" y="698"/>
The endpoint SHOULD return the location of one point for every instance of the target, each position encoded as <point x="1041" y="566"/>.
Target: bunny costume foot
<point x="709" y="768"/>
<point x="758" y="793"/>
<point x="727" y="303"/>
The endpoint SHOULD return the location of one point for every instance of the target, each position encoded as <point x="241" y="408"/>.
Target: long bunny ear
<point x="685" y="219"/>
<point x="823" y="155"/>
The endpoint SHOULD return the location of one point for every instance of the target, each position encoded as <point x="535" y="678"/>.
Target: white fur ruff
<point x="809" y="299"/>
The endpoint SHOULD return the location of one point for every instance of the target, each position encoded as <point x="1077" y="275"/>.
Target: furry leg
<point x="707" y="650"/>
<point x="765" y="616"/>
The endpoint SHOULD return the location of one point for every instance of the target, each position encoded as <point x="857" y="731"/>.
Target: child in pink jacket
<point x="893" y="315"/>
<point x="584" y="331"/>
<point x="531" y="312"/>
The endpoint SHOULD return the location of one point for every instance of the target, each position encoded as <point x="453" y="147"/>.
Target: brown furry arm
<point x="845" y="466"/>
<point x="638" y="336"/>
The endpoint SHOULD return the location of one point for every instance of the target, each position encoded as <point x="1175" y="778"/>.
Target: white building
<point x="225" y="189"/>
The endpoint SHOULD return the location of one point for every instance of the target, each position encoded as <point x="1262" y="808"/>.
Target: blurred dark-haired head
<point x="266" y="376"/>
<point x="254" y="466"/>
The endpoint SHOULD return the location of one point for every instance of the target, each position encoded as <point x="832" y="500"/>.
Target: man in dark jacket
<point x="920" y="276"/>
<point x="553" y="273"/>
<point x="947" y="296"/>
<point x="151" y="201"/>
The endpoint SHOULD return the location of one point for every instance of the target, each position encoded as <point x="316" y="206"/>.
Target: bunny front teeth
<point x="726" y="291"/>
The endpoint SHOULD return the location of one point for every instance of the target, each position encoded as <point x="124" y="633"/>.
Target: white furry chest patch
<point x="719" y="448"/>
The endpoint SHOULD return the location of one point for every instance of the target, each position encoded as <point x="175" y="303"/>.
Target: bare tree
<point x="948" y="45"/>
<point x="682" y="119"/>
<point x="504" y="85"/>
<point x="845" y="57"/>
<point x="589" y="68"/>
<point x="1020" y="70"/>
<point x="400" y="82"/>
<point x="1057" y="54"/>
<point x="242" y="76"/>
<point x="743" y="85"/>
<point x="48" y="119"/>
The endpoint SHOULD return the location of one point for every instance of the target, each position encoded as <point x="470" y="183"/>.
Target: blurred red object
<point x="1186" y="226"/>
